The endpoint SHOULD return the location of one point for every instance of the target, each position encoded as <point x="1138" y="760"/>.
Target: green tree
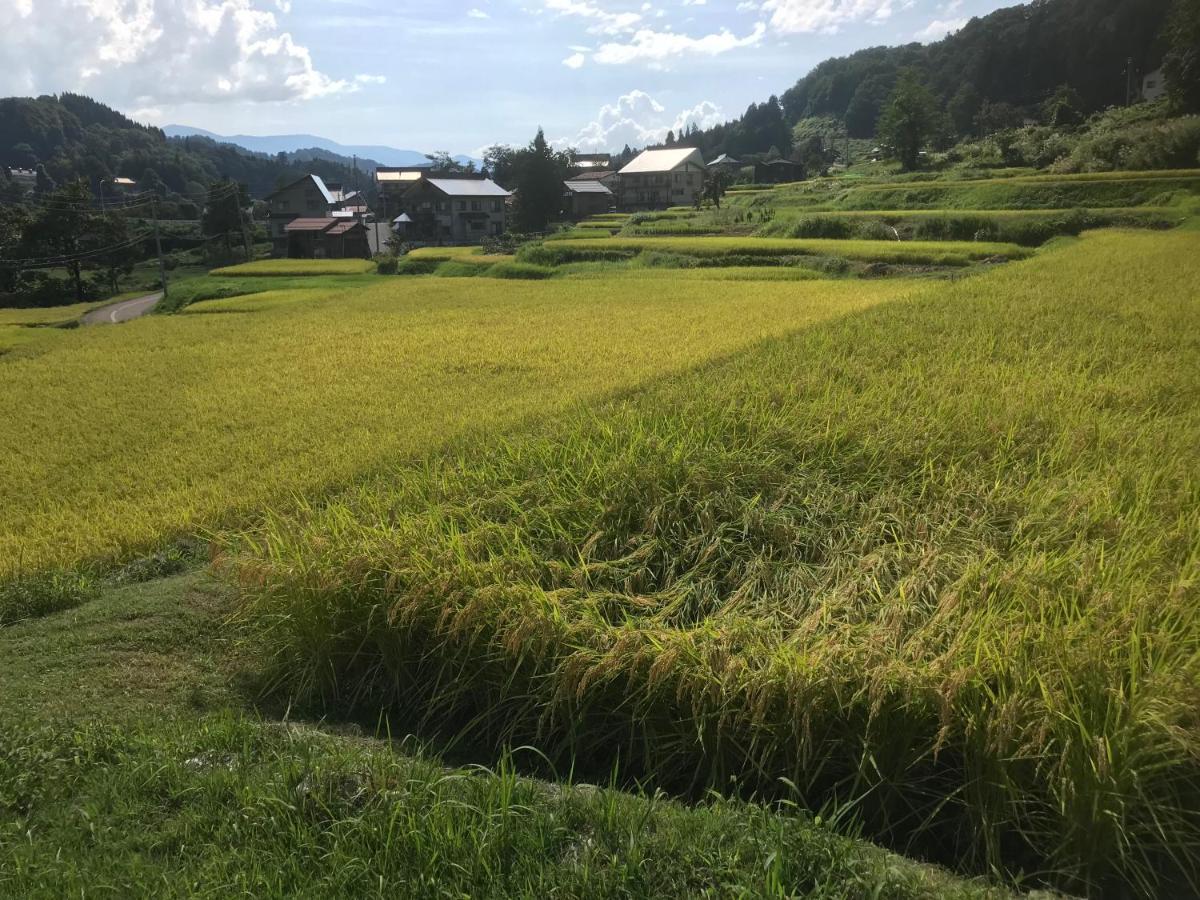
<point x="910" y="119"/>
<point x="443" y="163"/>
<point x="862" y="115"/>
<point x="1062" y="109"/>
<point x="116" y="255"/>
<point x="63" y="228"/>
<point x="714" y="187"/>
<point x="222" y="217"/>
<point x="963" y="108"/>
<point x="1181" y="67"/>
<point x="539" y="176"/>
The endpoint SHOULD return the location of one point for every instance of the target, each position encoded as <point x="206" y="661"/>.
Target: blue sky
<point x="448" y="75"/>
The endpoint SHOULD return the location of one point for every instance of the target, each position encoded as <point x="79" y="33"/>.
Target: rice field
<point x="279" y="267"/>
<point x="941" y="253"/>
<point x="149" y="431"/>
<point x="936" y="561"/>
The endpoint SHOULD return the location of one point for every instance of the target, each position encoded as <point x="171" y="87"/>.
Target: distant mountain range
<point x="294" y="143"/>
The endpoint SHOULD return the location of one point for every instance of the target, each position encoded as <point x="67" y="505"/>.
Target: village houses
<point x="657" y="179"/>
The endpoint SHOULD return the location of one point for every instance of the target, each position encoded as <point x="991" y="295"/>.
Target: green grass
<point x="273" y="267"/>
<point x="130" y="766"/>
<point x="170" y="423"/>
<point x="936" y="560"/>
<point x="943" y="253"/>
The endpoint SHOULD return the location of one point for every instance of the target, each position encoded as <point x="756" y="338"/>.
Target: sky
<point x="455" y="75"/>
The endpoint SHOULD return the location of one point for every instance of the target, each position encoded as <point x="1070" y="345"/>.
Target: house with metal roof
<point x="586" y="198"/>
<point x="593" y="160"/>
<point x="325" y="237"/>
<point x="454" y="209"/>
<point x="306" y="197"/>
<point x="657" y="179"/>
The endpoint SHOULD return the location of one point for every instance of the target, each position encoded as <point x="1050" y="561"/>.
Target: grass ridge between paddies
<point x="274" y="267"/>
<point x="937" y="560"/>
<point x="940" y="253"/>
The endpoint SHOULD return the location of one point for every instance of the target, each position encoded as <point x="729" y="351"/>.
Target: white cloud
<point x="648" y="45"/>
<point x="602" y="20"/>
<point x="804" y="16"/>
<point x="148" y="52"/>
<point x="638" y="119"/>
<point x="477" y="14"/>
<point x="574" y="61"/>
<point x="939" y="28"/>
<point x="371" y="79"/>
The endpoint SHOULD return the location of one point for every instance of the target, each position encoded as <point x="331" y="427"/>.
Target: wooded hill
<point x="1013" y="59"/>
<point x="74" y="136"/>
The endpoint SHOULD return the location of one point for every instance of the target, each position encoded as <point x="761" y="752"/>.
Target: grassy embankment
<point x="937" y="560"/>
<point x="123" y="772"/>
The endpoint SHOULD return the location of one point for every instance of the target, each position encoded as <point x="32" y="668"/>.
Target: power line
<point x="41" y="262"/>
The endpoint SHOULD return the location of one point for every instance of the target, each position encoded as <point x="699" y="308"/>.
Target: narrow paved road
<point x="123" y="311"/>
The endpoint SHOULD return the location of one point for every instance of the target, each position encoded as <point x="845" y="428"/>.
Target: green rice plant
<point x="944" y="253"/>
<point x="937" y="560"/>
<point x="290" y="392"/>
<point x="275" y="267"/>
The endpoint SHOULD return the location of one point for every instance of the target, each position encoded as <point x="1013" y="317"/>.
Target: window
<point x="283" y="205"/>
<point x="462" y="205"/>
<point x="497" y="206"/>
<point x="477" y="224"/>
<point x="475" y="206"/>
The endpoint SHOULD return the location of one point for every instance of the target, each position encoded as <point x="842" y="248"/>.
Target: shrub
<point x="34" y="595"/>
<point x="408" y="265"/>
<point x="820" y="227"/>
<point x="519" y="270"/>
<point x="386" y="264"/>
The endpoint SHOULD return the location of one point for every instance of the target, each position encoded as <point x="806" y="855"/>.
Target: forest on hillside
<point x="998" y="71"/>
<point x="71" y="136"/>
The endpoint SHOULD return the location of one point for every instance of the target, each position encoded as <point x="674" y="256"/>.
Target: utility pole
<point x="1128" y="81"/>
<point x="162" y="266"/>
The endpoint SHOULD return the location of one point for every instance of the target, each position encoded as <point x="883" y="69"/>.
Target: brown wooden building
<point x="326" y="238"/>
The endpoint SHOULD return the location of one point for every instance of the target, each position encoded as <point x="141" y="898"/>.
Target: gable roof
<point x="309" y="224"/>
<point x="316" y="180"/>
<point x="587" y="187"/>
<point x="399" y="175"/>
<point x="468" y="187"/>
<point x="724" y="160"/>
<point x="663" y="160"/>
<point x="594" y="175"/>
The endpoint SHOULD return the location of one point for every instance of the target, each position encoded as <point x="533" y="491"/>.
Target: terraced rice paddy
<point x="919" y="553"/>
<point x="941" y="253"/>
<point x="167" y="424"/>
<point x="937" y="560"/>
<point x="283" y="267"/>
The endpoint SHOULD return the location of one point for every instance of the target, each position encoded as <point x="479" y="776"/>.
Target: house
<point x="454" y="209"/>
<point x="724" y="163"/>
<point x="325" y="237"/>
<point x="1154" y="86"/>
<point x="586" y="198"/>
<point x="656" y="179"/>
<point x="606" y="177"/>
<point x="307" y="197"/>
<point x="778" y="171"/>
<point x="587" y="161"/>
<point x="392" y="182"/>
